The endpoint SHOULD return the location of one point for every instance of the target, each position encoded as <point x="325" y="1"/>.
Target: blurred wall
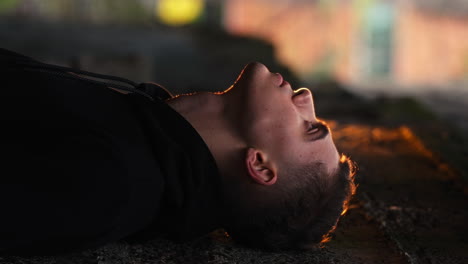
<point x="430" y="48"/>
<point x="310" y="38"/>
<point x="404" y="43"/>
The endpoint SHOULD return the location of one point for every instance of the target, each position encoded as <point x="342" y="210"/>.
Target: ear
<point x="259" y="168"/>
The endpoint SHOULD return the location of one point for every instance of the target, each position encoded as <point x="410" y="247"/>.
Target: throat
<point x="206" y="113"/>
<point x="195" y="105"/>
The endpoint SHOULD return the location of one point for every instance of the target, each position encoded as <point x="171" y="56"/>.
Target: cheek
<point x="283" y="124"/>
<point x="280" y="139"/>
<point x="261" y="108"/>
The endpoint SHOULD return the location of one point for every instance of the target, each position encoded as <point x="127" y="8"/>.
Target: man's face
<point x="280" y="121"/>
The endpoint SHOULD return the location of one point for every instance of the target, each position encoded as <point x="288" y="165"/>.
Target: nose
<point x="304" y="102"/>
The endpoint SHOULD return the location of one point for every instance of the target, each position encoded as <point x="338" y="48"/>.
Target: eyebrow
<point x="324" y="130"/>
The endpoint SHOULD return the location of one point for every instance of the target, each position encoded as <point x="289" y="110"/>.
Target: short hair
<point x="305" y="214"/>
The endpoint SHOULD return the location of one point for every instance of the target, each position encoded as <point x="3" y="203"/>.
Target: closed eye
<point x="317" y="131"/>
<point x="313" y="128"/>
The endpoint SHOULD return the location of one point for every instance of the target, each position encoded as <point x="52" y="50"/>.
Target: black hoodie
<point x="84" y="165"/>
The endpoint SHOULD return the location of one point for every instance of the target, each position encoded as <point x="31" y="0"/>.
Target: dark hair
<point x="305" y="213"/>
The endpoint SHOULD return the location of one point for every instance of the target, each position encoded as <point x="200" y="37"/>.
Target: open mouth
<point x="281" y="82"/>
<point x="284" y="83"/>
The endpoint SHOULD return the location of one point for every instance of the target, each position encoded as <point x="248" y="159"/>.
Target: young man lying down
<point x="90" y="159"/>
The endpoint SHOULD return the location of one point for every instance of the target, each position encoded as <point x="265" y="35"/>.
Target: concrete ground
<point x="411" y="204"/>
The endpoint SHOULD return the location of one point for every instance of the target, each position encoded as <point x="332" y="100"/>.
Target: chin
<point x="254" y="67"/>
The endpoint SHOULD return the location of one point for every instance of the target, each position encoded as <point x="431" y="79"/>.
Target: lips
<point x="280" y="80"/>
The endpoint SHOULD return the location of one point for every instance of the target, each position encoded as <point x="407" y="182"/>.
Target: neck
<point x="208" y="114"/>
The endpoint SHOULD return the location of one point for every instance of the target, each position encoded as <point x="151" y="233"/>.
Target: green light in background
<point x="179" y="12"/>
<point x="7" y="5"/>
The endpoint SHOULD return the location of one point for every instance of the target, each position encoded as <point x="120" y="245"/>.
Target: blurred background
<point x="389" y="76"/>
<point x="371" y="48"/>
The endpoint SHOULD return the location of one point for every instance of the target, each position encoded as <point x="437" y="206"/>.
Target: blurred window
<point x="378" y="40"/>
